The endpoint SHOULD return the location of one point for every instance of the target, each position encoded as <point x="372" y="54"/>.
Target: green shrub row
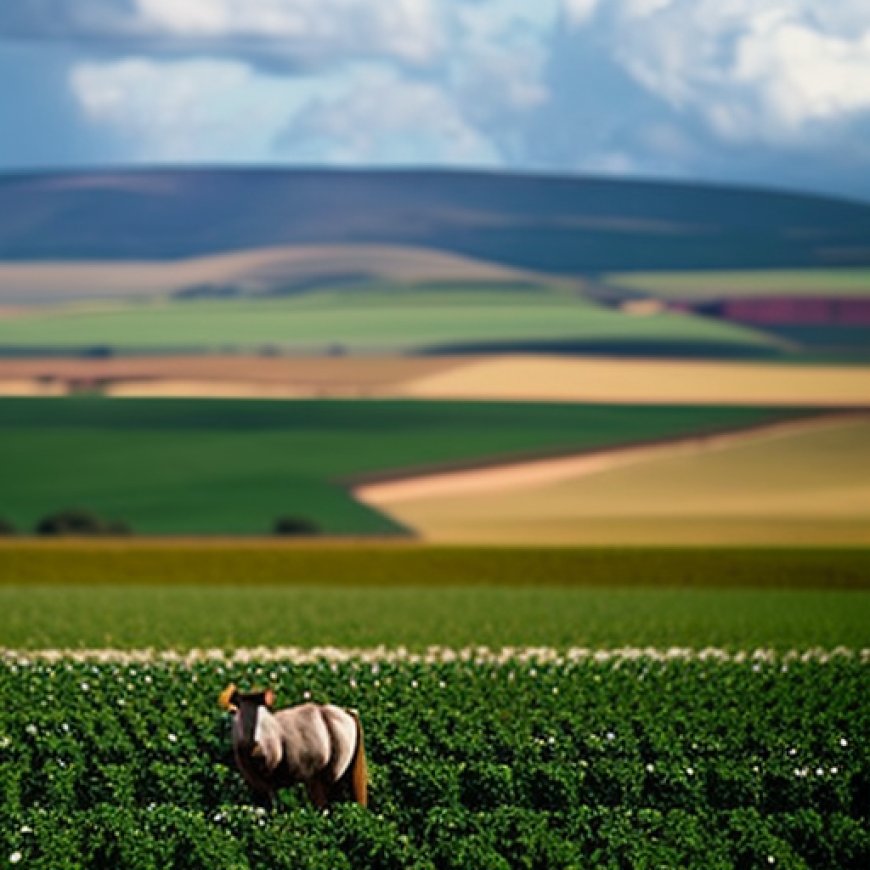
<point x="620" y="764"/>
<point x="79" y="521"/>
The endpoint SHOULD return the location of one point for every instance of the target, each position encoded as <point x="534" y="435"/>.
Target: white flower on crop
<point x="800" y="772"/>
<point x="173" y="738"/>
<point x="352" y="683"/>
<point x="690" y="771"/>
<point x="844" y="742"/>
<point x="835" y="769"/>
<point x="307" y="695"/>
<point x="650" y="767"/>
<point x="771" y="859"/>
<point x="85" y="687"/>
<point x="820" y="771"/>
<point x="218" y="817"/>
<point x="792" y="752"/>
<point x="26" y="829"/>
<point x="5" y="741"/>
<point x="414" y="684"/>
<point x="15" y="857"/>
<point x="31" y="730"/>
<point x="610" y="735"/>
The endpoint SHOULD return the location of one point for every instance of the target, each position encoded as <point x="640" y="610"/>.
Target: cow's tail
<point x="359" y="772"/>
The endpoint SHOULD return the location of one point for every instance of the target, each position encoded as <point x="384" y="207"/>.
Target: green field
<point x="381" y="319"/>
<point x="232" y="467"/>
<point x="228" y="595"/>
<point x="624" y="763"/>
<point x="195" y="616"/>
<point x="771" y="282"/>
<point x="533" y="758"/>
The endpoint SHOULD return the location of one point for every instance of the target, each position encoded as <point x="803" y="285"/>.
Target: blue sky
<point x="773" y="92"/>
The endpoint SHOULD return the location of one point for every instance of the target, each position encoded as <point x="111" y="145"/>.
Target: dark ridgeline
<point x="571" y="225"/>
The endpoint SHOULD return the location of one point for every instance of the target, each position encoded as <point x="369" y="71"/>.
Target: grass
<point x="230" y="594"/>
<point x="202" y="616"/>
<point x="713" y="284"/>
<point x="379" y="318"/>
<point x="232" y="467"/>
<point x="808" y="486"/>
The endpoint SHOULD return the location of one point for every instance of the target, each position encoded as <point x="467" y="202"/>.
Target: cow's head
<point x="247" y="709"/>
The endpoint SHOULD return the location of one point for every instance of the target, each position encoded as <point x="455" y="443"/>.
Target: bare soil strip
<point x="517" y="476"/>
<point x="432" y="655"/>
<point x="219" y="376"/>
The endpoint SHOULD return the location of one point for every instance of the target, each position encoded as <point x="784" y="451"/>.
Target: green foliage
<point x="625" y="763"/>
<point x="79" y="521"/>
<point x="293" y="525"/>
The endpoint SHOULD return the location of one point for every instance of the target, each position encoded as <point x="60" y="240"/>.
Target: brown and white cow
<point x="320" y="745"/>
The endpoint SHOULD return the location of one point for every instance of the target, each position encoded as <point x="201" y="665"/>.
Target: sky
<point x="763" y="92"/>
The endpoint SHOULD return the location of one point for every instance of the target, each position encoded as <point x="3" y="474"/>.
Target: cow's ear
<point x="269" y="698"/>
<point x="229" y="698"/>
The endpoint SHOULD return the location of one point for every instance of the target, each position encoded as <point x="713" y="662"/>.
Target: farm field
<point x="801" y="483"/>
<point x="252" y="376"/>
<point x="690" y="760"/>
<point x="184" y="594"/>
<point x="233" y="467"/>
<point x="512" y="377"/>
<point x="183" y="616"/>
<point x="377" y="318"/>
<point x="646" y="382"/>
<point x="697" y="286"/>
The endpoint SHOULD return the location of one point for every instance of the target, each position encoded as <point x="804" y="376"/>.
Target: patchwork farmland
<point x="689" y="688"/>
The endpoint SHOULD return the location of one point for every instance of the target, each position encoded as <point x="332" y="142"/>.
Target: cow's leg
<point x="318" y="792"/>
<point x="265" y="799"/>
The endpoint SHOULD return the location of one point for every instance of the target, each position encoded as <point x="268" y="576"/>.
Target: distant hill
<point x="555" y="225"/>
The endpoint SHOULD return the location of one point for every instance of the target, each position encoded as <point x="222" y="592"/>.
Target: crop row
<point x="501" y="762"/>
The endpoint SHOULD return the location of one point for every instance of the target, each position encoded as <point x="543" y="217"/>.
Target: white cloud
<point x="769" y="72"/>
<point x="382" y="118"/>
<point x="577" y="12"/>
<point x="409" y="30"/>
<point x="186" y="110"/>
<point x="408" y="103"/>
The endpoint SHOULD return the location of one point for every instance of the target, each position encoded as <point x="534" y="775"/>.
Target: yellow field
<point x="796" y="484"/>
<point x="654" y="381"/>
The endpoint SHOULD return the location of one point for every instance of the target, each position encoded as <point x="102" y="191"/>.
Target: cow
<point x="319" y="745"/>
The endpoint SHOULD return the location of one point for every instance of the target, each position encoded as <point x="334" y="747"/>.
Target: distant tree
<point x="7" y="527"/>
<point x="291" y="525"/>
<point x="78" y="521"/>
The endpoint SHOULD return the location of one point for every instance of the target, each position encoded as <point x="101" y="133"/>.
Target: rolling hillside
<point x="562" y="225"/>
